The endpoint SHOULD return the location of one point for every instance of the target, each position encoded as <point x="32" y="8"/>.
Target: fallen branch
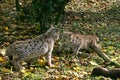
<point x="100" y="71"/>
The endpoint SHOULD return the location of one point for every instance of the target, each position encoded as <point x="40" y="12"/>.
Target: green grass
<point x="87" y="19"/>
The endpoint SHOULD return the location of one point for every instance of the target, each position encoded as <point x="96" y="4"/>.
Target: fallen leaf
<point x="31" y="68"/>
<point x="3" y="51"/>
<point x="111" y="51"/>
<point x="55" y="58"/>
<point x="61" y="77"/>
<point x="5" y="70"/>
<point x="104" y="50"/>
<point x="6" y="28"/>
<point x="111" y="47"/>
<point x="93" y="63"/>
<point x="41" y="61"/>
<point x="23" y="70"/>
<point x="76" y="68"/>
<point x="2" y="59"/>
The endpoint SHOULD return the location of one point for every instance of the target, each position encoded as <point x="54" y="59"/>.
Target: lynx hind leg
<point x="16" y="64"/>
<point x="31" y="62"/>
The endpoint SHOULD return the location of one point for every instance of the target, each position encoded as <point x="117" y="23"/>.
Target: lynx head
<point x="53" y="33"/>
<point x="66" y="35"/>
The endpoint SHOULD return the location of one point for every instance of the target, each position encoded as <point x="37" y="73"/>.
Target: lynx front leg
<point x="48" y="57"/>
<point x="77" y="48"/>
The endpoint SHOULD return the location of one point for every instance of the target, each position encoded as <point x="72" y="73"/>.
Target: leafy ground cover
<point x="85" y="16"/>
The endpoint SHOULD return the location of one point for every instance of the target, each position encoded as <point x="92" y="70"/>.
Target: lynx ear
<point x="51" y="26"/>
<point x="50" y="30"/>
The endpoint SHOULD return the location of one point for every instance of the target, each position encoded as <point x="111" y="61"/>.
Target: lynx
<point x="80" y="41"/>
<point x="33" y="48"/>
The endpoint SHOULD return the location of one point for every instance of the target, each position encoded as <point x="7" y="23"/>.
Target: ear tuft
<point x="51" y="26"/>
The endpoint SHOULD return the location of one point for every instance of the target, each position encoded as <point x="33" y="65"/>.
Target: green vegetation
<point x="100" y="17"/>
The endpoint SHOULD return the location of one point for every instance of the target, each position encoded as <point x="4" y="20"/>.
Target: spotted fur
<point x="33" y="48"/>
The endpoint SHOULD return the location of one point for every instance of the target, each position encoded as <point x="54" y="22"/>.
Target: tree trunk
<point x="17" y="5"/>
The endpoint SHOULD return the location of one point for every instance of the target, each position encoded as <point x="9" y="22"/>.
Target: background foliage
<point x="100" y="17"/>
<point x="42" y="12"/>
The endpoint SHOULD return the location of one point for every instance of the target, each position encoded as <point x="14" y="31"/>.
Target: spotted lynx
<point x="33" y="48"/>
<point x="79" y="41"/>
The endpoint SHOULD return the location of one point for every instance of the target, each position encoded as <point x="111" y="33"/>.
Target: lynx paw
<point x="51" y="65"/>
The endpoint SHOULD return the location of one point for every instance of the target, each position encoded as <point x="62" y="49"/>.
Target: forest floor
<point x="99" y="17"/>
